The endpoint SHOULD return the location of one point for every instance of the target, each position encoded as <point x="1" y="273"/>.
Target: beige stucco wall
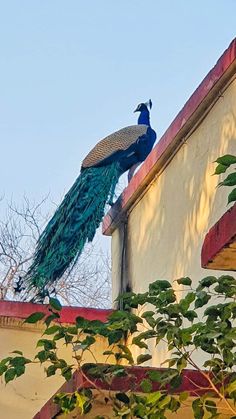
<point x="166" y="228"/>
<point x="23" y="397"/>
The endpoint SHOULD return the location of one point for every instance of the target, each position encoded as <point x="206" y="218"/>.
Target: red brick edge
<point x="219" y="236"/>
<point x="22" y="310"/>
<point x="192" y="381"/>
<point x="182" y="120"/>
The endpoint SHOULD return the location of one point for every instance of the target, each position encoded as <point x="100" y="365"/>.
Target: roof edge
<point x="193" y="381"/>
<point x="21" y="310"/>
<point x="181" y="127"/>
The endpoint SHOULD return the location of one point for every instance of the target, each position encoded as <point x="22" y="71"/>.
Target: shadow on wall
<point x="167" y="227"/>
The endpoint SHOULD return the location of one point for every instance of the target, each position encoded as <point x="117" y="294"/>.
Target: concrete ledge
<point x="192" y="381"/>
<point x="21" y="310"/>
<point x="219" y="247"/>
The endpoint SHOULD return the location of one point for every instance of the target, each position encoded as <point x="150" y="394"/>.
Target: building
<point x="162" y="217"/>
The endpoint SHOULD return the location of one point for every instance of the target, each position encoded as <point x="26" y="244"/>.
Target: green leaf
<point x="67" y="373"/>
<point x="183" y="396"/>
<point x="3" y="368"/>
<point x="147" y="314"/>
<point x="72" y="330"/>
<point x="166" y="400"/>
<point x="226" y="160"/>
<point x="6" y="360"/>
<point x="202" y="299"/>
<point x="117" y="370"/>
<point x="35" y="317"/>
<point x="42" y="356"/>
<point x="220" y="168"/>
<point x="207" y="282"/>
<point x="81" y="322"/>
<point x="190" y="315"/>
<point x="10" y="375"/>
<point x="114" y="336"/>
<point x="118" y="315"/>
<point x="55" y="304"/>
<point x="155" y="376"/>
<point x="152" y="398"/>
<point x="50" y="318"/>
<point x="51" y="370"/>
<point x="127" y="354"/>
<point x="186" y="301"/>
<point x="210" y="406"/>
<point x="176" y="381"/>
<point x="17" y="352"/>
<point x="87" y="342"/>
<point x="20" y="370"/>
<point x="230" y="180"/>
<point x="143" y="358"/>
<point x="146" y="385"/>
<point x="212" y="311"/>
<point x="108" y="353"/>
<point x="159" y="285"/>
<point x="59" y="335"/>
<point x="51" y="330"/>
<point x="231" y="387"/>
<point x="122" y="397"/>
<point x="232" y="196"/>
<point x="137" y="341"/>
<point x="198" y="409"/>
<point x="184" y="281"/>
<point x="181" y="364"/>
<point x="19" y="360"/>
<point x="170" y="361"/>
<point x="81" y="400"/>
<point x="46" y="343"/>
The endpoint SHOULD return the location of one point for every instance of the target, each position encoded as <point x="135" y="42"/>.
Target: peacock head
<point x="142" y="107"/>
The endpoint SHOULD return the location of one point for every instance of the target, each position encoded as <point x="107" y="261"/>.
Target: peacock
<point x="77" y="218"/>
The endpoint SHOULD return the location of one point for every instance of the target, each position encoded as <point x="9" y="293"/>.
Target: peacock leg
<point x="132" y="170"/>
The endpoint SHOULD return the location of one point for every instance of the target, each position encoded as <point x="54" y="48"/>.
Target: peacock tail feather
<point x="74" y="223"/>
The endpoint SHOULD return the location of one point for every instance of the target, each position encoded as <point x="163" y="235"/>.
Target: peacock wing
<point x="119" y="140"/>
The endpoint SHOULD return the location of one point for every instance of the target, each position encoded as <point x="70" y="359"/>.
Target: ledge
<point x="219" y="247"/>
<point x="20" y="310"/>
<point x="192" y="381"/>
<point x="193" y="111"/>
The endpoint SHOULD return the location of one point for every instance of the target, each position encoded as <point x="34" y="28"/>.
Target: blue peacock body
<point x="77" y="218"/>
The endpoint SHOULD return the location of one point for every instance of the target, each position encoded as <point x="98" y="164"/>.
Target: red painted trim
<point x="192" y="381"/>
<point x="182" y="119"/>
<point x="219" y="237"/>
<point x="22" y="310"/>
<point x="50" y="409"/>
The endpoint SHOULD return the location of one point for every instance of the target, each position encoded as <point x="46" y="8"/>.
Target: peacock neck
<point x="144" y="118"/>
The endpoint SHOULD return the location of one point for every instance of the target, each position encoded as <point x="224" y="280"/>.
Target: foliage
<point x="223" y="164"/>
<point x="198" y="320"/>
<point x="162" y="314"/>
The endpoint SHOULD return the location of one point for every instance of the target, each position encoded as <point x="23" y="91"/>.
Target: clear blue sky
<point x="73" y="71"/>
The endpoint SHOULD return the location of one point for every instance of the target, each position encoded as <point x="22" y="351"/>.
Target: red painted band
<point x="22" y="310"/>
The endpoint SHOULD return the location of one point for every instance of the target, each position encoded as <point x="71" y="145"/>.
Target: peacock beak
<point x="136" y="110"/>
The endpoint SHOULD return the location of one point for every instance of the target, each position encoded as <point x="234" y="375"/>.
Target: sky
<point x="73" y="71"/>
